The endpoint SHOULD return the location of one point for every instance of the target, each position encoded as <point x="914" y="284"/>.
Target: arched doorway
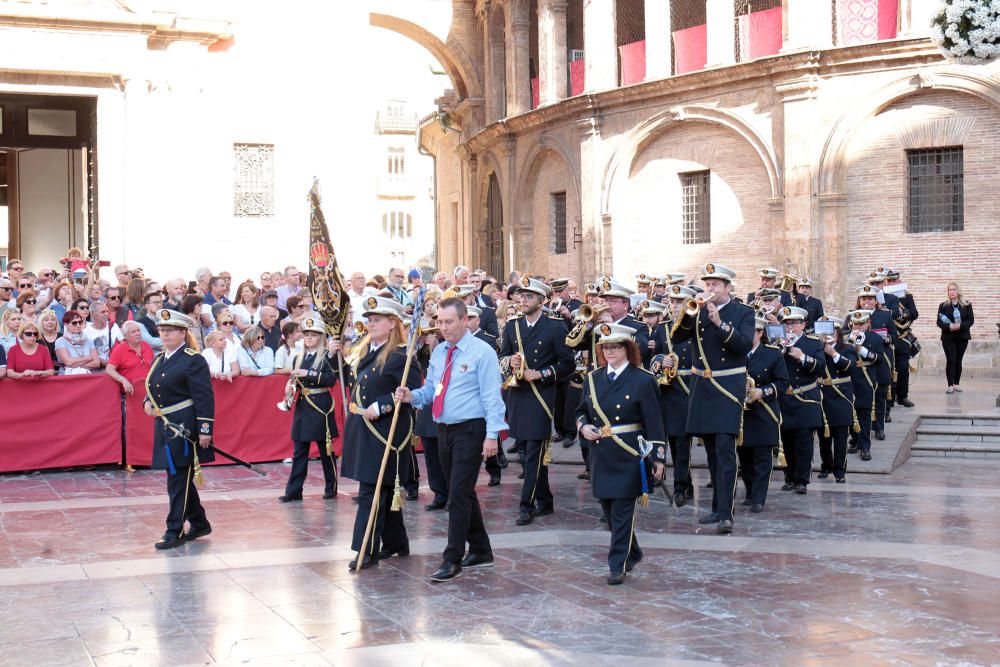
<point x="494" y="229"/>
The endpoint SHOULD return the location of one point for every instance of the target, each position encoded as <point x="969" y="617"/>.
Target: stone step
<point x="951" y="445"/>
<point x="955" y="453"/>
<point x="959" y="433"/>
<point x="989" y="421"/>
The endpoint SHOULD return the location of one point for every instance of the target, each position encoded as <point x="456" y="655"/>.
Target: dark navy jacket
<point x="184" y="376"/>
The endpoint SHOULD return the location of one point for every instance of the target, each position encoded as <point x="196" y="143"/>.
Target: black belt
<point x="462" y="423"/>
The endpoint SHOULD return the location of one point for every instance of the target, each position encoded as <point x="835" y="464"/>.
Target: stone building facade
<point x="805" y="158"/>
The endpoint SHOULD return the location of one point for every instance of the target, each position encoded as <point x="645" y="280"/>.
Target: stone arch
<point x="651" y="128"/>
<point x="451" y="55"/>
<point x="545" y="144"/>
<point x="831" y="177"/>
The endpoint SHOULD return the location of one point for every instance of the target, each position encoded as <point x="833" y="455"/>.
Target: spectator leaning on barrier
<point x="291" y="344"/>
<point x="28" y="359"/>
<point x="225" y="324"/>
<point x="102" y="332"/>
<point x="222" y="364"/>
<point x="129" y="362"/>
<point x="10" y="321"/>
<point x="254" y="357"/>
<point x="76" y="352"/>
<point x="48" y="334"/>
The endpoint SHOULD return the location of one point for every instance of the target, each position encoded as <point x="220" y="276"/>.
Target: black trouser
<point x="585" y="453"/>
<point x="755" y="470"/>
<point x="535" y="492"/>
<point x="833" y="451"/>
<point x="412" y="481"/>
<point x="680" y="454"/>
<point x="901" y="389"/>
<point x="559" y="411"/>
<point x="185" y="504"/>
<point x="620" y="513"/>
<point x="881" y="392"/>
<point x="798" y="444"/>
<point x="461" y="453"/>
<point x="721" y="451"/>
<point x="435" y="476"/>
<point x="954" y="350"/>
<point x="388" y="531"/>
<point x="300" y="465"/>
<point x="864" y="436"/>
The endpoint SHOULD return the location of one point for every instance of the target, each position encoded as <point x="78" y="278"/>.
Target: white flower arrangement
<point x="968" y="31"/>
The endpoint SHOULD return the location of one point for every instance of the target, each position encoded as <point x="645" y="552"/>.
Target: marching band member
<point x="379" y="371"/>
<point x="768" y="278"/>
<point x="838" y="402"/>
<point x="656" y="332"/>
<point x="812" y="305"/>
<point x="889" y="303"/>
<point x="674" y="399"/>
<point x="870" y="349"/>
<point x="762" y="415"/>
<point x="770" y="304"/>
<point x="906" y="344"/>
<point x="722" y="335"/>
<point x="179" y="394"/>
<point x="801" y="409"/>
<point x="494" y="464"/>
<point x="313" y="420"/>
<point x="534" y="352"/>
<point x="881" y="323"/>
<point x="619" y="414"/>
<point x="618" y="299"/>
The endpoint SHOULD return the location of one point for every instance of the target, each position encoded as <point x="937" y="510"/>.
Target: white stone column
<point x="721" y="33"/>
<point x="552" y="77"/>
<point x="518" y="83"/>
<point x="808" y="25"/>
<point x="599" y="19"/>
<point x="659" y="42"/>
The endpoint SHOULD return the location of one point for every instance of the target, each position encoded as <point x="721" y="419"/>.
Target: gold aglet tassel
<point x="547" y="456"/>
<point x="826" y="430"/>
<point x="329" y="444"/>
<point x="782" y="462"/>
<point x="644" y="500"/>
<point x="199" y="477"/>
<point x="397" y="498"/>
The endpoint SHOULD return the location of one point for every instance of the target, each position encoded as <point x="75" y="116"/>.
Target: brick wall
<point x="877" y="211"/>
<point x="536" y="246"/>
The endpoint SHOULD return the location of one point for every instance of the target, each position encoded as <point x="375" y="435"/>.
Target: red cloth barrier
<point x="690" y="49"/>
<point x="247" y="423"/>
<point x="633" y="59"/>
<point x="58" y="422"/>
<point x="576" y="75"/>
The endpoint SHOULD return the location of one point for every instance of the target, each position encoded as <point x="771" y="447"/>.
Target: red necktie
<point x="437" y="409"/>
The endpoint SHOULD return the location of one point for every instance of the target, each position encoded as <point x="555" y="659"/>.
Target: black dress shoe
<point x="520" y="475"/>
<point x="584" y="475"/>
<point x="169" y="542"/>
<point x="567" y="443"/>
<point x="801" y="489"/>
<point x="756" y="508"/>
<point x="412" y="495"/>
<point x="355" y="499"/>
<point x="710" y="485"/>
<point x="888" y="418"/>
<point x="524" y="518"/>
<point x="447" y="572"/>
<point x="823" y="474"/>
<point x="477" y="560"/>
<point x="385" y="553"/>
<point x="708" y="518"/>
<point x="787" y="486"/>
<point x="680" y="499"/>
<point x="195" y="533"/>
<point x="880" y="435"/>
<point x="436" y="505"/>
<point x="630" y="564"/>
<point x="841" y="480"/>
<point x="329" y="495"/>
<point x="906" y="403"/>
<point x="289" y="498"/>
<point x="853" y="449"/>
<point x="616" y="579"/>
<point x="542" y="511"/>
<point x="689" y="492"/>
<point x="369" y="561"/>
<point x="725" y="526"/>
<point x="866" y="456"/>
<point x="502" y="460"/>
<point x="494" y="480"/>
<point x="746" y="502"/>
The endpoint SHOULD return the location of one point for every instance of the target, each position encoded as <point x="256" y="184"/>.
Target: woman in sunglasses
<point x="75" y="351"/>
<point x="225" y="323"/>
<point x="28" y="359"/>
<point x="48" y="334"/>
<point x="27" y="303"/>
<point x="9" y="324"/>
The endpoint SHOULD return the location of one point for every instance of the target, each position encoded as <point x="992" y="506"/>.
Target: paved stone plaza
<point x="888" y="569"/>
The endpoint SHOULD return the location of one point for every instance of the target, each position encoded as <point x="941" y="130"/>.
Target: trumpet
<point x="555" y="305"/>
<point x="291" y="389"/>
<point x="790" y="341"/>
<point x="751" y="393"/>
<point x="586" y="313"/>
<point x="693" y="306"/>
<point x="856" y="338"/>
<point x="514" y="375"/>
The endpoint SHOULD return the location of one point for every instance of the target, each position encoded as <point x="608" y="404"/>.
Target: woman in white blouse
<point x="247" y="308"/>
<point x="254" y="357"/>
<point x="291" y="345"/>
<point x="225" y="324"/>
<point x="221" y="362"/>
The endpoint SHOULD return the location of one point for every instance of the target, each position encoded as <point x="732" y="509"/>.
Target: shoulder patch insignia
<point x="191" y="353"/>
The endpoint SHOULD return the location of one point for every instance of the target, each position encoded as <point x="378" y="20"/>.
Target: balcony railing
<point x="395" y="124"/>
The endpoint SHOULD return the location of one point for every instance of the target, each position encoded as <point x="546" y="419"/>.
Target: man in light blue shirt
<point x="462" y="389"/>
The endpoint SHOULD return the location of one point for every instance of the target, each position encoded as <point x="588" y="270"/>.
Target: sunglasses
<point x="6" y="288"/>
<point x="228" y="324"/>
<point x="24" y="286"/>
<point x="47" y="275"/>
<point x="30" y="334"/>
<point x="83" y="307"/>
<point x="15" y="268"/>
<point x="31" y="302"/>
<point x="77" y="322"/>
<point x="114" y="298"/>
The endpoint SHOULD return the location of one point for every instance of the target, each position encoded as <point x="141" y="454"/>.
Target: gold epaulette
<point x="191" y="353"/>
<point x="773" y="347"/>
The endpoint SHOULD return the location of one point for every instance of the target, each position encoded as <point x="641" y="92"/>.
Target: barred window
<point x="935" y="190"/>
<point x="253" y="192"/>
<point x="557" y="214"/>
<point x="695" y="210"/>
<point x="396" y="164"/>
<point x="397" y="225"/>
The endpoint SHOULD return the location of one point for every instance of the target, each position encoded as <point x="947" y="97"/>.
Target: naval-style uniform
<point x="622" y="409"/>
<point x="906" y="346"/>
<point x="718" y="386"/>
<point x="762" y="421"/>
<point x="365" y="441"/>
<point x="838" y="407"/>
<point x="531" y="405"/>
<point x="179" y="390"/>
<point x="883" y="325"/>
<point x="871" y="363"/>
